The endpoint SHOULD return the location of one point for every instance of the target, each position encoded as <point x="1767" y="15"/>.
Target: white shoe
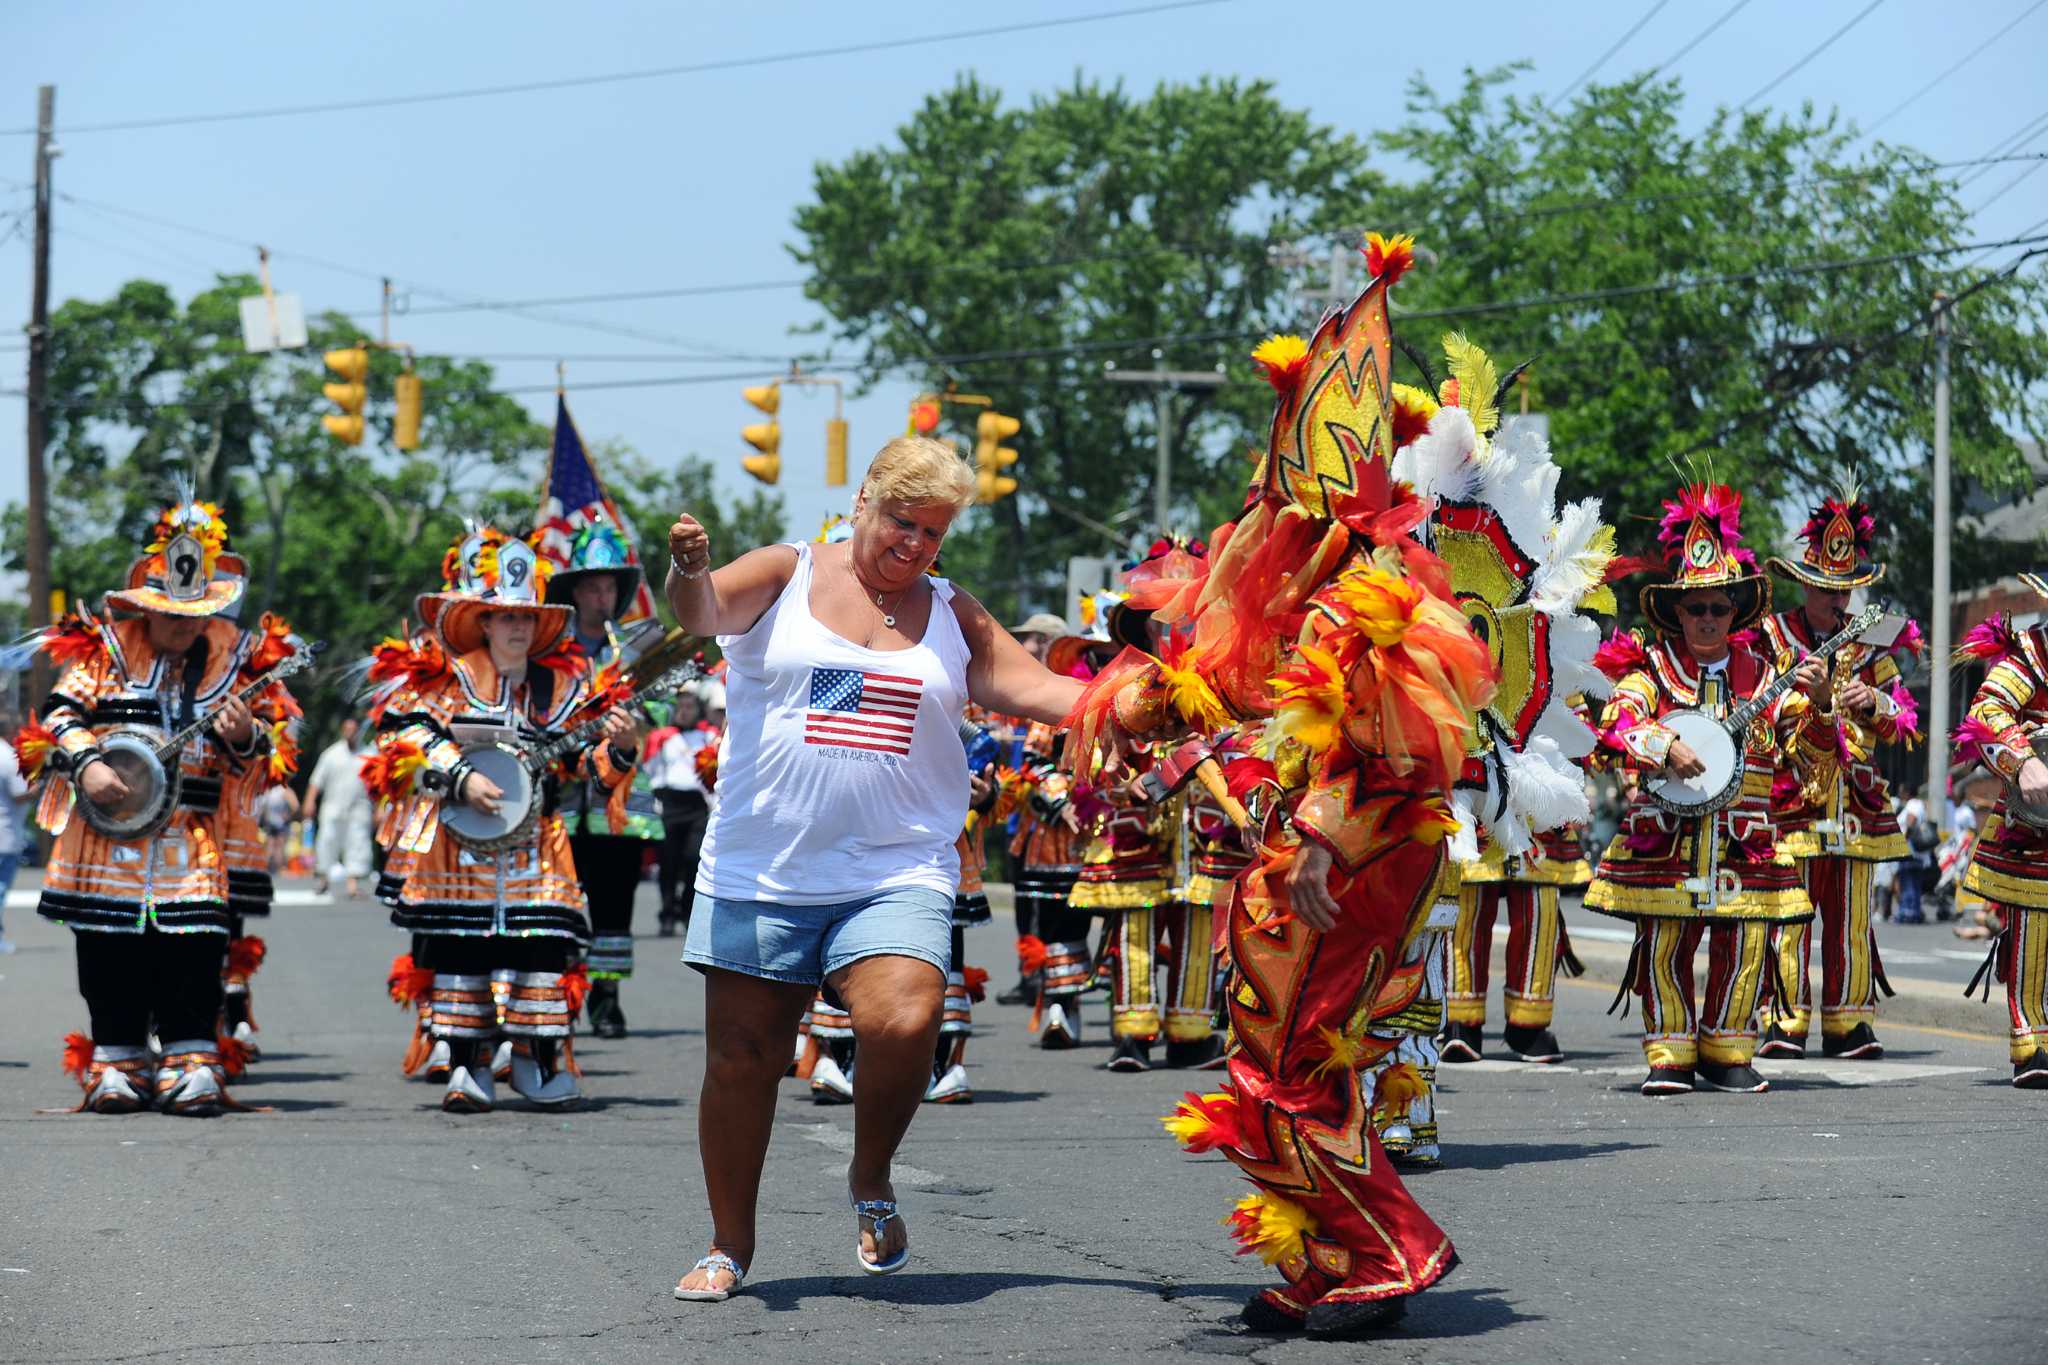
<point x="830" y="1085"/>
<point x="114" y="1091"/>
<point x="1059" y="1029"/>
<point x="193" y="1089"/>
<point x="469" y="1092"/>
<point x="245" y="1034"/>
<point x="538" y="1087"/>
<point x="1398" y="1139"/>
<point x="501" y="1061"/>
<point x="440" y="1061"/>
<point x="950" y="1088"/>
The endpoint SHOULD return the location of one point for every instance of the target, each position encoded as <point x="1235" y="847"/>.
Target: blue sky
<point x="694" y="179"/>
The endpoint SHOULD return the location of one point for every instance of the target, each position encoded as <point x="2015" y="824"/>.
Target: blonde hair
<point x="918" y="470"/>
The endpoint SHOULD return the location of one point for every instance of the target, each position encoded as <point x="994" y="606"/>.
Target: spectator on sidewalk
<point x="339" y="804"/>
<point x="1922" y="838"/>
<point x="13" y="798"/>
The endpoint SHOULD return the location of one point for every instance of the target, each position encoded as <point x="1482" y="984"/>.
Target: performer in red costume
<point x="1325" y="627"/>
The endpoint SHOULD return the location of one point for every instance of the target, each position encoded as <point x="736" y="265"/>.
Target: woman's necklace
<point x="888" y="616"/>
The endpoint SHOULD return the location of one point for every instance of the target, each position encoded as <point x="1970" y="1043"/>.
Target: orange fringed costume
<point x="1329" y="636"/>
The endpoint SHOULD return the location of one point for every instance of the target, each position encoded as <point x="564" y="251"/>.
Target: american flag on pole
<point x="572" y="498"/>
<point x="854" y="709"/>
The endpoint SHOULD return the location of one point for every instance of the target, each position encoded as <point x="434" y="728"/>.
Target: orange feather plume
<point x="33" y="744"/>
<point x="72" y="640"/>
<point x="1389" y="257"/>
<point x="977" y="983"/>
<point x="576" y="985"/>
<point x="1031" y="954"/>
<point x="407" y="983"/>
<point x="245" y="955"/>
<point x="77" y="1056"/>
<point x="1203" y="1123"/>
<point x="234" y="1056"/>
<point x="273" y="649"/>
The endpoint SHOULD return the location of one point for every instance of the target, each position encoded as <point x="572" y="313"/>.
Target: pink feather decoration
<point x="1910" y="641"/>
<point x="1990" y="642"/>
<point x="1971" y="737"/>
<point x="1620" y="655"/>
<point x="1716" y="502"/>
<point x="1906" y="712"/>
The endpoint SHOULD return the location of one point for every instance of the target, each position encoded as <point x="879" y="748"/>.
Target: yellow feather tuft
<point x="1272" y="1227"/>
<point x="1310" y="699"/>
<point x="1400" y="1085"/>
<point x="1477" y="380"/>
<point x="1280" y="351"/>
<point x="1346" y="1053"/>
<point x="1194" y="698"/>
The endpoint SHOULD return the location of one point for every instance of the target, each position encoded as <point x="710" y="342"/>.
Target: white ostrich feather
<point x="1544" y="788"/>
<point x="1463" y="842"/>
<point x="1572" y="567"/>
<point x="1441" y="462"/>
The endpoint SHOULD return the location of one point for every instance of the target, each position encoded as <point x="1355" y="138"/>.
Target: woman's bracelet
<point x="675" y="567"/>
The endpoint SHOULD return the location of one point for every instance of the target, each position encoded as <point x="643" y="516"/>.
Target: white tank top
<point x="844" y="774"/>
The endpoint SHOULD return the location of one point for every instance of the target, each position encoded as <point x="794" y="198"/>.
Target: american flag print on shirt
<point x="855" y="709"/>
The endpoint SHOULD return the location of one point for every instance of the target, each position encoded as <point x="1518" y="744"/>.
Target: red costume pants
<point x="1840" y="891"/>
<point x="1529" y="993"/>
<point x="1677" y="1032"/>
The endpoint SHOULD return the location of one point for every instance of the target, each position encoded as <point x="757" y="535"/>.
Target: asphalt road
<point x="1887" y="1211"/>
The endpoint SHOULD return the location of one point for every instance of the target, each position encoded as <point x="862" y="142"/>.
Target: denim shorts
<point x="804" y="944"/>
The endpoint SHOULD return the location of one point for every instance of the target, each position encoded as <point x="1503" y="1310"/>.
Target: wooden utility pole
<point x="38" y="395"/>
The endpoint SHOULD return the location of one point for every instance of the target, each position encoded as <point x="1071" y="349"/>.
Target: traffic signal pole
<point x="39" y="394"/>
<point x="1942" y="626"/>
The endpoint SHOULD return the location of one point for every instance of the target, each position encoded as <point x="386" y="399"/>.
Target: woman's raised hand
<point x="689" y="545"/>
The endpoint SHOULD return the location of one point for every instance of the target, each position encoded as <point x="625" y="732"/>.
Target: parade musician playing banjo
<point x="493" y="671"/>
<point x="139" y="879"/>
<point x="1723" y="872"/>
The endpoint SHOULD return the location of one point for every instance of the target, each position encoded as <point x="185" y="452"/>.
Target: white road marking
<point x="1837" y="1073"/>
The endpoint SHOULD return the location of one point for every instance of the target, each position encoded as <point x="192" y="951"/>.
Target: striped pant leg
<point x="1664" y="984"/>
<point x="1190" y="973"/>
<point x="2026" y="978"/>
<point x="1471" y="951"/>
<point x="957" y="1020"/>
<point x="1737" y="957"/>
<point x="538" y="1006"/>
<point x="1848" y="943"/>
<point x="1791" y="949"/>
<point x="1134" y="1002"/>
<point x="462" y="1007"/>
<point x="1530" y="991"/>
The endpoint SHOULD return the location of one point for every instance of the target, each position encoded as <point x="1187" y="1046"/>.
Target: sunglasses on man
<point x="1699" y="611"/>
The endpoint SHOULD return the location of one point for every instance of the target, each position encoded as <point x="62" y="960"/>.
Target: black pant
<point x="683" y="817"/>
<point x="608" y="866"/>
<point x="128" y="980"/>
<point x="466" y="955"/>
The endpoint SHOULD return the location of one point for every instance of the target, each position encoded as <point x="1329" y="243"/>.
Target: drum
<point x="1721" y="752"/>
<point x="518" y="809"/>
<point x="152" y="787"/>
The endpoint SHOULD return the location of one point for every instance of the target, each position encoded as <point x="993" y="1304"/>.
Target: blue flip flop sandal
<point x="881" y="1211"/>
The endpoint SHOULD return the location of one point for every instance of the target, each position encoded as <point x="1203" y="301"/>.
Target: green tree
<point x="1042" y="239"/>
<point x="650" y="498"/>
<point x="1539" y="225"/>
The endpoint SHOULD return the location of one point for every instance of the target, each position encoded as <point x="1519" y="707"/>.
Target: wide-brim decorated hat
<point x="597" y="550"/>
<point x="1063" y="655"/>
<point x="1168" y="560"/>
<point x="1837" y="541"/>
<point x="490" y="571"/>
<point x="181" y="571"/>
<point x="1701" y="534"/>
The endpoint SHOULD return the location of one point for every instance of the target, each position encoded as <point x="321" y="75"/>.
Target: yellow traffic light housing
<point x="766" y="397"/>
<point x="352" y="364"/>
<point x="991" y="456"/>
<point x="765" y="437"/>
<point x="405" y="425"/>
<point x="835" y="453"/>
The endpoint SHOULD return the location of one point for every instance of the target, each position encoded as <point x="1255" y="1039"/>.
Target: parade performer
<point x="609" y="828"/>
<point x="1406" y="1018"/>
<point x="682" y="766"/>
<point x="1322" y="624"/>
<point x="1725" y="874"/>
<point x="1036" y="634"/>
<point x="831" y="857"/>
<point x="2004" y="730"/>
<point x="1841" y="825"/>
<point x="493" y="669"/>
<point x="965" y="984"/>
<point x="1525" y="887"/>
<point x="149" y="913"/>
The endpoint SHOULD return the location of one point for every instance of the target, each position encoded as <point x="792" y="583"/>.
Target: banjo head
<point x="1717" y="749"/>
<point x="471" y="828"/>
<point x="151" y="792"/>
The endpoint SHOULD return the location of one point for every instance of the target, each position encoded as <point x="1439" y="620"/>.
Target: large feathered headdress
<point x="1701" y="537"/>
<point x="1837" y="540"/>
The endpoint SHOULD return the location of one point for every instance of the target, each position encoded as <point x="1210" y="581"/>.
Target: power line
<point x="1826" y="43"/>
<point x="609" y="78"/>
<point x="1619" y="43"/>
<point x="2002" y="191"/>
<point x="2027" y="130"/>
<point x="1956" y="66"/>
<point x="1698" y="38"/>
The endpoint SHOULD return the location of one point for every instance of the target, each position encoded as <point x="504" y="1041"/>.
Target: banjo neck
<point x="539" y="759"/>
<point x="1740" y="719"/>
<point x="297" y="660"/>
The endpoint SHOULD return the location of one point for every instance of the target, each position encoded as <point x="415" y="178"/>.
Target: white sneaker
<point x="1398" y="1139"/>
<point x="950" y="1088"/>
<point x="115" y="1091"/>
<point x="537" y="1087"/>
<point x="501" y="1061"/>
<point x="469" y="1092"/>
<point x="829" y="1084"/>
<point x="440" y="1061"/>
<point x="191" y="1088"/>
<point x="245" y="1034"/>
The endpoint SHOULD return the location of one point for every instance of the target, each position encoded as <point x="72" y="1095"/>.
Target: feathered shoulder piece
<point x="566" y="656"/>
<point x="1715" y="503"/>
<point x="272" y="648"/>
<point x="1621" y="654"/>
<point x="418" y="661"/>
<point x="1990" y="642"/>
<point x="73" y="639"/>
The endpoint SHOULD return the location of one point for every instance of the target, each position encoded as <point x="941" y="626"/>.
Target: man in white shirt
<point x="338" y="801"/>
<point x="671" y="766"/>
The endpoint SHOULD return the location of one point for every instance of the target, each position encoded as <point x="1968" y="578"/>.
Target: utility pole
<point x="39" y="393"/>
<point x="1336" y="293"/>
<point x="1938" y="657"/>
<point x="1168" y="385"/>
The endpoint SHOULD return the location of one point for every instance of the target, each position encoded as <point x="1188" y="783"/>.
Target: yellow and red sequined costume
<point x="1323" y="624"/>
<point x="1525" y="888"/>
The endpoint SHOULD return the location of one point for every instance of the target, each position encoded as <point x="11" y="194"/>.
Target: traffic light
<point x="352" y="363"/>
<point x="991" y="456"/>
<point x="405" y="426"/>
<point x="924" y="417"/>
<point x="765" y="437"/>
<point x="835" y="453"/>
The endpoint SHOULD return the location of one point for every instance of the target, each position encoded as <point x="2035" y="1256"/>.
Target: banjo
<point x="517" y="766"/>
<point x="2017" y="807"/>
<point x="1722" y="745"/>
<point x="150" y="769"/>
